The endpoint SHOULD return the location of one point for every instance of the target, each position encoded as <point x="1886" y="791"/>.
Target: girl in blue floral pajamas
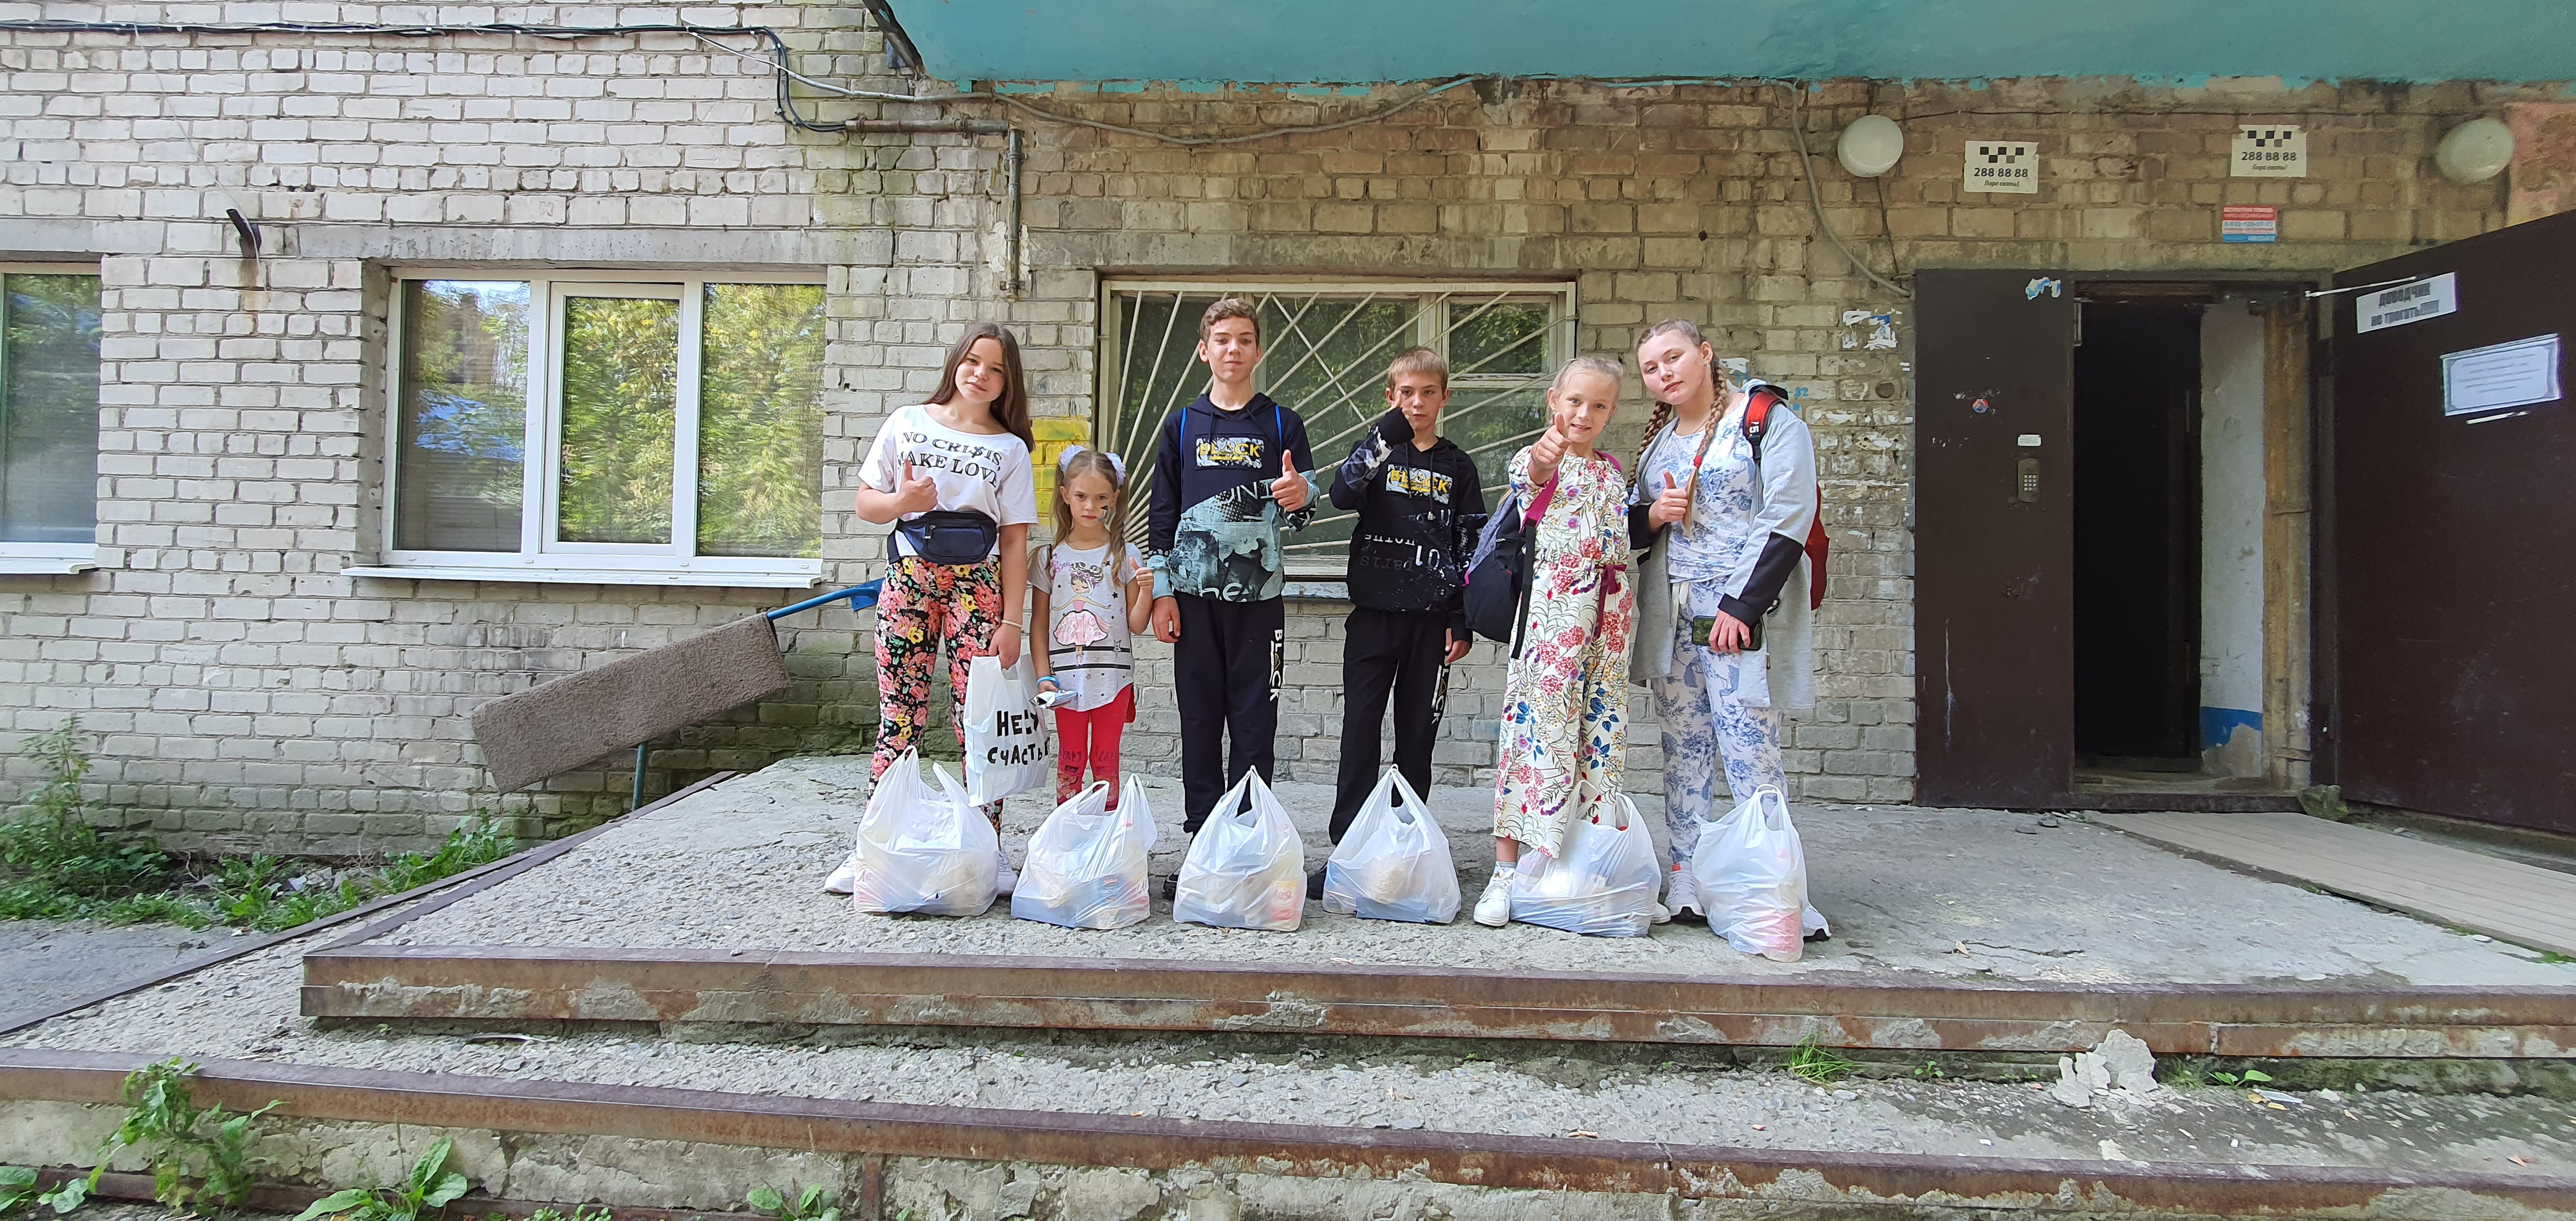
<point x="1728" y="549"/>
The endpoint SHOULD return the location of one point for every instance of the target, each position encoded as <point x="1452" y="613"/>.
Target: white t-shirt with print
<point x="1088" y="646"/>
<point x="974" y="472"/>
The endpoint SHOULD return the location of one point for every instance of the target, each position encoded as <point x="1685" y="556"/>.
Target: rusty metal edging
<point x="538" y="983"/>
<point x="479" y="878"/>
<point x="1079" y="1139"/>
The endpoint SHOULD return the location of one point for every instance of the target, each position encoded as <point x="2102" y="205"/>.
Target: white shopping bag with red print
<point x="1752" y="877"/>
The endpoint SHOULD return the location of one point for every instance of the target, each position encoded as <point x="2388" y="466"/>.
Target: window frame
<point x="540" y="557"/>
<point x="52" y="559"/>
<point x="1307" y="576"/>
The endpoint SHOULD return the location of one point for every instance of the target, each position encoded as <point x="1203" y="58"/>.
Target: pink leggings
<point x="1091" y="738"/>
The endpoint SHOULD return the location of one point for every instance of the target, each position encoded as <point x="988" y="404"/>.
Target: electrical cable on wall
<point x="1816" y="197"/>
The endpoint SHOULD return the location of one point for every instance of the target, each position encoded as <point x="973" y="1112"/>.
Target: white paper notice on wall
<point x="2266" y="150"/>
<point x="2003" y="167"/>
<point x="2430" y="297"/>
<point x="2500" y="377"/>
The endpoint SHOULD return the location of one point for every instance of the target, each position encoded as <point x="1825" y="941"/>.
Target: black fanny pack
<point x="951" y="536"/>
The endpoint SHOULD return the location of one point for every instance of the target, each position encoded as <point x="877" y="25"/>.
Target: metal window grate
<point x="1325" y="352"/>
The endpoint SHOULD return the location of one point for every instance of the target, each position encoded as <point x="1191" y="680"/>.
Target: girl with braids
<point x="1565" y="701"/>
<point x="1723" y="649"/>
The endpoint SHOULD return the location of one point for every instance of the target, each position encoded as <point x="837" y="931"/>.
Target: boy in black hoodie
<point x="1420" y="505"/>
<point x="1225" y="483"/>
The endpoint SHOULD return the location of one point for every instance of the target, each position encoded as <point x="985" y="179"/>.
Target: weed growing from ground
<point x="806" y="1207"/>
<point x="579" y="1213"/>
<point x="55" y="863"/>
<point x="18" y="1185"/>
<point x="199" y="1157"/>
<point x="2251" y="1076"/>
<point x="1818" y="1065"/>
<point x="425" y="1189"/>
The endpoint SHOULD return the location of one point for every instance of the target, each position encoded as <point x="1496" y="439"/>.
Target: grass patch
<point x="1818" y="1065"/>
<point x="57" y="864"/>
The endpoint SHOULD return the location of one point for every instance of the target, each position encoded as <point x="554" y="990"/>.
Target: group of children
<point x="1678" y="576"/>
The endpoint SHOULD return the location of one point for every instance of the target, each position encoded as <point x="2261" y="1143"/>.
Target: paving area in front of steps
<point x="1927" y="893"/>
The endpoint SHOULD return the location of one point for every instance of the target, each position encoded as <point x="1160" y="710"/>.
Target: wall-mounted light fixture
<point x="1870" y="146"/>
<point x="2475" y="151"/>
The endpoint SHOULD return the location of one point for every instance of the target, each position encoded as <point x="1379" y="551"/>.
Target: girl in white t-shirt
<point x="1097" y="594"/>
<point x="953" y="475"/>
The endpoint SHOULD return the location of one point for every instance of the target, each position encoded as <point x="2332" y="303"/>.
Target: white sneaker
<point x="1657" y="913"/>
<point x="1683" y="894"/>
<point x="1494" y="908"/>
<point x="1004" y="880"/>
<point x="844" y="879"/>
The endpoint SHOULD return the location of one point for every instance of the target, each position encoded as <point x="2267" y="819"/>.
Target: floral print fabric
<point x="1565" y="704"/>
<point x="1705" y="720"/>
<point x="920" y="605"/>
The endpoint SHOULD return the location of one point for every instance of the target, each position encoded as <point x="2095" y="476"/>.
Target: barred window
<point x="1325" y="349"/>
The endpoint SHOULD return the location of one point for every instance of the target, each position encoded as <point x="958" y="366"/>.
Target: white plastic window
<point x="605" y="427"/>
<point x="49" y="332"/>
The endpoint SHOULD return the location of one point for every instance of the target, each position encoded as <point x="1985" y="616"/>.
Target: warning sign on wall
<point x="2003" y="167"/>
<point x="2249" y="223"/>
<point x="2266" y="150"/>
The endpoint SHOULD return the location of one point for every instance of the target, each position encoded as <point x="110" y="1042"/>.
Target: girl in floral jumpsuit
<point x="1565" y="703"/>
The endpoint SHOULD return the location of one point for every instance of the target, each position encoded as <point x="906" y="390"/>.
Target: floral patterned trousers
<point x="920" y="605"/>
<point x="1705" y="723"/>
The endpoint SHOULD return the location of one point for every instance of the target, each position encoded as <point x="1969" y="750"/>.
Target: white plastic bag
<point x="1006" y="737"/>
<point x="1393" y="863"/>
<point x="1752" y="876"/>
<point x="1246" y="868"/>
<point x="1603" y="880"/>
<point x="922" y="852"/>
<point x="1086" y="864"/>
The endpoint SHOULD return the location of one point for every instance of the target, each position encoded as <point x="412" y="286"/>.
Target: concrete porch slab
<point x="1956" y="929"/>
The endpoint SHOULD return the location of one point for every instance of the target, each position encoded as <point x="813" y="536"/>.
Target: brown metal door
<point x="1993" y="592"/>
<point x="2454" y="544"/>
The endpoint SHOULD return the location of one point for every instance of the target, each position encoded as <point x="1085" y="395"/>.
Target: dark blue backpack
<point x="1498" y="571"/>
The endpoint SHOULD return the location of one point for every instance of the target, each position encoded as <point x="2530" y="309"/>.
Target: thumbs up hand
<point x="1290" y="488"/>
<point x="1671" y="505"/>
<point x="915" y="493"/>
<point x="1546" y="453"/>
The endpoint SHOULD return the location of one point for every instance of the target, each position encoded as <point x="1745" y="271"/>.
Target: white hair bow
<point x="1115" y="462"/>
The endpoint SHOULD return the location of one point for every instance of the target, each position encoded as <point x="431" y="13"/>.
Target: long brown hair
<point x="1088" y="461"/>
<point x="1663" y="416"/>
<point x="1011" y="410"/>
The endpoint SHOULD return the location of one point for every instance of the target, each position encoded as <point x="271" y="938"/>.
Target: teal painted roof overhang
<point x="1347" y="41"/>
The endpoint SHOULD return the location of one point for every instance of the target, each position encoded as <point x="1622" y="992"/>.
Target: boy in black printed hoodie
<point x="1420" y="505"/>
<point x="1225" y="483"/>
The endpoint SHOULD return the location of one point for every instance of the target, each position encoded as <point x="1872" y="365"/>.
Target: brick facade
<point x="246" y="693"/>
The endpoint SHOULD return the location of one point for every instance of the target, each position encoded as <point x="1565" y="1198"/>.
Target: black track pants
<point x="1226" y="669"/>
<point x="1385" y="651"/>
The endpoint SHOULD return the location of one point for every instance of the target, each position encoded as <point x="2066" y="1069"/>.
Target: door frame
<point x="2298" y="526"/>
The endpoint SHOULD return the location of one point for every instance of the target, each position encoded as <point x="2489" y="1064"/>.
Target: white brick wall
<point x="247" y="694"/>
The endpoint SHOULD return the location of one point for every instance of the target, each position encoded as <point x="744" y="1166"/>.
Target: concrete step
<point x="658" y="1148"/>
